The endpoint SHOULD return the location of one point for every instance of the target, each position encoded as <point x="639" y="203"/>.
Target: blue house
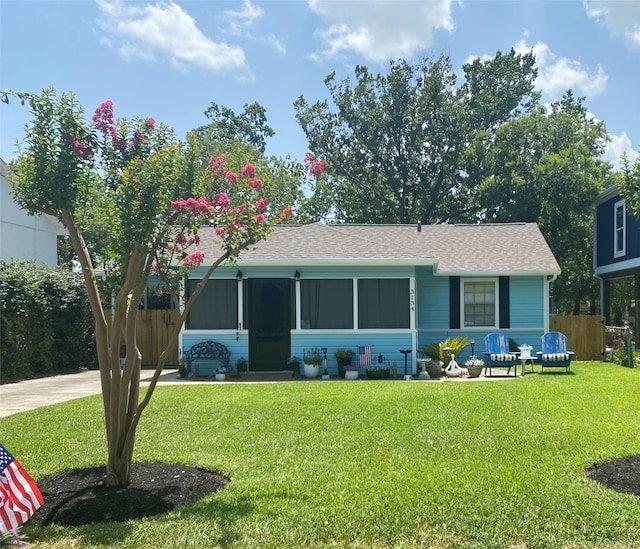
<point x="390" y="287"/>
<point x="616" y="249"/>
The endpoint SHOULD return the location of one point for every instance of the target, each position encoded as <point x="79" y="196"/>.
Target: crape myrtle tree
<point x="395" y="141"/>
<point x="141" y="180"/>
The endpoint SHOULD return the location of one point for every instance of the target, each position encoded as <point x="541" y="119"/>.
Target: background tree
<point x="546" y="168"/>
<point x="395" y="142"/>
<point x="145" y="178"/>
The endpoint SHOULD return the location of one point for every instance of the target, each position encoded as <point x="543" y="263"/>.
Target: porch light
<point x="239" y="276"/>
<point x="296" y="275"/>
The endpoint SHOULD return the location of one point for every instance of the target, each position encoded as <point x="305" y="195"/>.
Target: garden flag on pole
<point x="364" y="355"/>
<point x="19" y="494"/>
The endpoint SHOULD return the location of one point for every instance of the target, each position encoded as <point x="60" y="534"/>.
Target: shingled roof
<point x="497" y="248"/>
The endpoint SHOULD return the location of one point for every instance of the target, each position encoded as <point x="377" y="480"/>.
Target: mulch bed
<point x="79" y="496"/>
<point x="621" y="475"/>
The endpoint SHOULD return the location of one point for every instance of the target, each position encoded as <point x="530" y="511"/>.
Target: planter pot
<point x="311" y="370"/>
<point x="474" y="371"/>
<point x="434" y="369"/>
<point x="382" y="373"/>
<point x="351" y="374"/>
<point x="221" y="377"/>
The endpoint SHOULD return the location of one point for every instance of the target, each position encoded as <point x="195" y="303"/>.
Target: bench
<point x="204" y="358"/>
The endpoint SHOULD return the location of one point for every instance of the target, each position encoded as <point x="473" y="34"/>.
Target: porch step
<point x="276" y="375"/>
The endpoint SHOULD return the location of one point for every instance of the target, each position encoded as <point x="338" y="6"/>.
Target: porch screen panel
<point x="216" y="307"/>
<point x="383" y="303"/>
<point x="326" y="304"/>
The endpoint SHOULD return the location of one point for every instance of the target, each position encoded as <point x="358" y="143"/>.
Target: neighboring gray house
<point x="24" y="236"/>
<point x="391" y="287"/>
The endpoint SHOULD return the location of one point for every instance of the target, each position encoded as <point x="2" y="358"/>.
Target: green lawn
<point x="369" y="463"/>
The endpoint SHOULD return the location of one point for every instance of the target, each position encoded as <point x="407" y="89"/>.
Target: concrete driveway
<point x="33" y="393"/>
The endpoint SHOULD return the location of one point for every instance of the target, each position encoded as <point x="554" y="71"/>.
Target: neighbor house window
<point x="326" y="304"/>
<point x="383" y="303"/>
<point x="480" y="303"/>
<point x="216" y="307"/>
<point x="620" y="228"/>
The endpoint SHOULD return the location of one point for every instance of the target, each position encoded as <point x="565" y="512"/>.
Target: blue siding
<point x="386" y="344"/>
<point x="432" y="317"/>
<point x="605" y="238"/>
<point x="432" y="299"/>
<point x="527" y="302"/>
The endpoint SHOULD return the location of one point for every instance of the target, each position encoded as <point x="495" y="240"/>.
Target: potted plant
<point x="312" y="360"/>
<point x="241" y="365"/>
<point x="293" y="363"/>
<point x="378" y="372"/>
<point x="221" y="372"/>
<point x="351" y="371"/>
<point x="343" y="358"/>
<point x="474" y="366"/>
<point x="436" y="352"/>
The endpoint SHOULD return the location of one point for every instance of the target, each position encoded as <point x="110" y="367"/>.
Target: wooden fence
<point x="152" y="332"/>
<point x="585" y="334"/>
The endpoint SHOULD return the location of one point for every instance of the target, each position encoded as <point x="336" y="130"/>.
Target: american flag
<point x="19" y="494"/>
<point x="364" y="355"/>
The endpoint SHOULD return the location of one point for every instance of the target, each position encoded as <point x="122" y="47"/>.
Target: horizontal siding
<point x="526" y="302"/>
<point x="432" y="299"/>
<point x="386" y="344"/>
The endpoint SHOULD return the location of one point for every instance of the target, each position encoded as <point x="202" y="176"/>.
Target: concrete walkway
<point x="33" y="393"/>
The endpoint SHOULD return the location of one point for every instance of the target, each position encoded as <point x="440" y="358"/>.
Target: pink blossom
<point x="317" y="167"/>
<point x="261" y="205"/>
<point x="150" y="124"/>
<point x="193" y="260"/>
<point x="256" y="184"/>
<point x="181" y="238"/>
<point x="308" y="158"/>
<point x="215" y="167"/>
<point x="103" y="117"/>
<point x="219" y="231"/>
<point x="248" y="171"/>
<point x="259" y="218"/>
<point x="285" y="215"/>
<point x="222" y="200"/>
<point x="232" y="177"/>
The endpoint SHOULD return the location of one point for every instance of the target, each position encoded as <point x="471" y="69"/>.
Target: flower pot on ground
<point x="351" y="371"/>
<point x="312" y="360"/>
<point x="343" y="358"/>
<point x="474" y="366"/>
<point x="378" y="373"/>
<point x="222" y="373"/>
<point x="434" y="368"/>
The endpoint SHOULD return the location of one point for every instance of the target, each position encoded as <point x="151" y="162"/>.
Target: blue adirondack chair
<point x="497" y="353"/>
<point x="554" y="352"/>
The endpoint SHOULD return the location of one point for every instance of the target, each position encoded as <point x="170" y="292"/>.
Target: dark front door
<point x="269" y="323"/>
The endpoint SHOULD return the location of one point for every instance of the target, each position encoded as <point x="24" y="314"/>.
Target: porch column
<point x="605" y="300"/>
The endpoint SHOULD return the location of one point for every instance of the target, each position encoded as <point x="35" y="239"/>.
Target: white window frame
<point x="496" y="302"/>
<point x="619" y="252"/>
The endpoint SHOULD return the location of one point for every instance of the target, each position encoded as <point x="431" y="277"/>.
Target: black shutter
<point x="503" y="296"/>
<point x="454" y="302"/>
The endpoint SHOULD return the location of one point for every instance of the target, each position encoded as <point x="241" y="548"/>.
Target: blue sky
<point x="170" y="60"/>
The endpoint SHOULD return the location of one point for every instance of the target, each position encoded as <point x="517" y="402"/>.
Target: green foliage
<point x="435" y="351"/>
<point x="629" y="184"/>
<point x="45" y="322"/>
<point x="466" y="460"/>
<point x="394" y="142"/>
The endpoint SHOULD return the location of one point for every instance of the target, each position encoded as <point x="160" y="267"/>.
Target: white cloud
<point x="620" y="17"/>
<point x="244" y="18"/>
<point x="618" y="145"/>
<point x="558" y="74"/>
<point x="380" y="30"/>
<point x="152" y="32"/>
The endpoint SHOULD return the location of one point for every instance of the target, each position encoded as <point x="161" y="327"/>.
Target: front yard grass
<point x="367" y="464"/>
